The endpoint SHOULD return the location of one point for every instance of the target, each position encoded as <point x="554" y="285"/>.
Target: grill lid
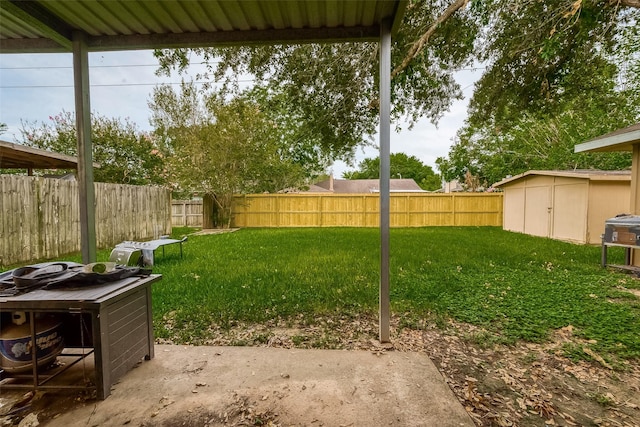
<point x="624" y="220"/>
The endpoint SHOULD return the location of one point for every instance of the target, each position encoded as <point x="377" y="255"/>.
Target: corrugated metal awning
<point x="48" y="26"/>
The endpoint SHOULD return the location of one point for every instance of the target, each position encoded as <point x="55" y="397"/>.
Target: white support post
<point x="86" y="192"/>
<point x="385" y="152"/>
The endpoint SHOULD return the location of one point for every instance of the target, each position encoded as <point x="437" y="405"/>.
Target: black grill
<point x="622" y="230"/>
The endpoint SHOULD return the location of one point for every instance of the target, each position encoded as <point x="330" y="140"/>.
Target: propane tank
<point x="16" y="343"/>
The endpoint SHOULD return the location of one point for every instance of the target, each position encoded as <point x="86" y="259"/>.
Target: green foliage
<point x="628" y="56"/>
<point x="301" y="87"/>
<point x="605" y="400"/>
<point x="330" y="91"/>
<point x="519" y="286"/>
<point x="125" y="155"/>
<point x="539" y="53"/>
<point x="180" y="232"/>
<point x="569" y="78"/>
<point x="221" y="147"/>
<point x="298" y="142"/>
<point x="537" y="142"/>
<point x="401" y="166"/>
<point x="547" y="64"/>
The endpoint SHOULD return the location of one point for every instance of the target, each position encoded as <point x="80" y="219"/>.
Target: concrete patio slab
<point x="200" y="386"/>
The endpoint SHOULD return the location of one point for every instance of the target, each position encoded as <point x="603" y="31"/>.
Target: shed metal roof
<point x="590" y="174"/>
<point x="48" y="26"/>
<point x="619" y="140"/>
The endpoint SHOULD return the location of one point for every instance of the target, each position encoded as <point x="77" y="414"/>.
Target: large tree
<point x="125" y="154"/>
<point x="402" y="166"/>
<point x="536" y="53"/>
<point x="551" y="83"/>
<point x="331" y="90"/>
<point x="533" y="142"/>
<point x="539" y="54"/>
<point x="218" y="146"/>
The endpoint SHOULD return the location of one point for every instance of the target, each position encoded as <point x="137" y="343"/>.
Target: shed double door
<point x="557" y="211"/>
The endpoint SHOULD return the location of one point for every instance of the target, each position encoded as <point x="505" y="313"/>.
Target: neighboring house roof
<point x="313" y="188"/>
<point x="17" y="156"/>
<point x="619" y="140"/>
<point x="590" y="174"/>
<point x="305" y="189"/>
<point x="359" y="186"/>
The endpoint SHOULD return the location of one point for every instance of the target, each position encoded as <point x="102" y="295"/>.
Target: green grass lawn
<point x="516" y="287"/>
<point x="513" y="286"/>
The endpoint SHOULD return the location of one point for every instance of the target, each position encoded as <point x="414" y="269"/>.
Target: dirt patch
<point x="241" y="411"/>
<point x="534" y="384"/>
<point x="636" y="292"/>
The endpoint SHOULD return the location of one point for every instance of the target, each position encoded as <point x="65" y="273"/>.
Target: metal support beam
<point x="385" y="153"/>
<point x="40" y="19"/>
<point x="86" y="192"/>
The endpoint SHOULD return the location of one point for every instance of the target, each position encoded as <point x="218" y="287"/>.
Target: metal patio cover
<point x="625" y="139"/>
<point x="16" y="156"/>
<point x="48" y="26"/>
<point x="93" y="25"/>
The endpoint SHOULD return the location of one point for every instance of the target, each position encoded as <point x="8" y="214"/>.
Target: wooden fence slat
<point x="350" y="210"/>
<point x="358" y="210"/>
<point x="186" y="213"/>
<point x="40" y="216"/>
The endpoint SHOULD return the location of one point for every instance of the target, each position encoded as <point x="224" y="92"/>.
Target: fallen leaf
<point x="596" y="357"/>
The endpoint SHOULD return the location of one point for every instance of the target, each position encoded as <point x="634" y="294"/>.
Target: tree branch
<point x="630" y="3"/>
<point x="419" y="44"/>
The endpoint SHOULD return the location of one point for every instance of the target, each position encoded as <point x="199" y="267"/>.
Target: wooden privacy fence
<point x="40" y="216"/>
<point x="186" y="213"/>
<point x="362" y="210"/>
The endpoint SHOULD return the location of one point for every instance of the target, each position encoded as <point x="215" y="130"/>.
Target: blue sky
<point x="35" y="87"/>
